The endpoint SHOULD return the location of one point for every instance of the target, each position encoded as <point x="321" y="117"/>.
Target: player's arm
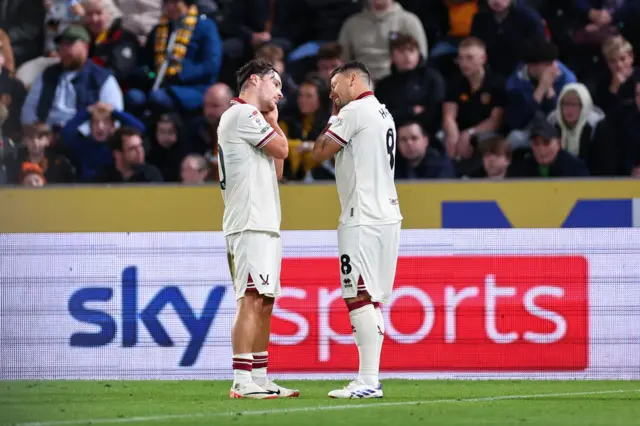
<point x="263" y="133"/>
<point x="278" y="147"/>
<point x="336" y="135"/>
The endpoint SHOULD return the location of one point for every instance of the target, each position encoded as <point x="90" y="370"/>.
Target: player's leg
<point x="364" y="322"/>
<point x="246" y="323"/>
<point x="269" y="270"/>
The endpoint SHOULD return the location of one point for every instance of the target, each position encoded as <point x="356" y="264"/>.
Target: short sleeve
<point x="344" y="126"/>
<point x="253" y="128"/>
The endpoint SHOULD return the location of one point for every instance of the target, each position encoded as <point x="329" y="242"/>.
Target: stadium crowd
<point x="132" y="90"/>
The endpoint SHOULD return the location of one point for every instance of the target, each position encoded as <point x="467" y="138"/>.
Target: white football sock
<point x="380" y="324"/>
<point x="365" y="332"/>
<point x="259" y="372"/>
<point x="242" y="365"/>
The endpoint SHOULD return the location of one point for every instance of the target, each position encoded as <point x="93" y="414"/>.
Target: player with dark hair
<point x="251" y="152"/>
<point x="362" y="136"/>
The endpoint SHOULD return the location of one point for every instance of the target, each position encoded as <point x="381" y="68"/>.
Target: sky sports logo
<point x="454" y="313"/>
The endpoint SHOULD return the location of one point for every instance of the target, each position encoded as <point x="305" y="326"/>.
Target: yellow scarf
<point x="183" y="37"/>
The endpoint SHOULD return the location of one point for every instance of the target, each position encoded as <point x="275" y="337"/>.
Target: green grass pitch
<point x="193" y="403"/>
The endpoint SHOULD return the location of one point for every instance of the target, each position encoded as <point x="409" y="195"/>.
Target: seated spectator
<point x="413" y="89"/>
<point x="618" y="54"/>
<point x="112" y="47"/>
<point x="128" y="165"/>
<point x="416" y="160"/>
<point x="37" y="139"/>
<point x="504" y="27"/>
<point x="204" y="130"/>
<point x="474" y="102"/>
<point x="192" y="65"/>
<point x="460" y="19"/>
<point x="275" y="55"/>
<point x="88" y="148"/>
<point x="304" y="125"/>
<point x="330" y="56"/>
<point x="362" y="35"/>
<point x="496" y="158"/>
<point x="60" y="14"/>
<point x="325" y="171"/>
<point x="7" y="52"/>
<point x="194" y="170"/>
<point x="23" y="22"/>
<point x="12" y="94"/>
<point x="603" y="18"/>
<point x="535" y="86"/>
<point x="627" y="135"/>
<point x="71" y="86"/>
<point x="31" y="176"/>
<point x="547" y="158"/>
<point x="168" y="146"/>
<point x="583" y="130"/>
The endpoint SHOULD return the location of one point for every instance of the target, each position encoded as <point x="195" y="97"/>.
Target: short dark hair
<point x="401" y="41"/>
<point x="116" y="141"/>
<point x="410" y="121"/>
<point x="330" y="50"/>
<point x="538" y="50"/>
<point x="255" y="66"/>
<point x="353" y="65"/>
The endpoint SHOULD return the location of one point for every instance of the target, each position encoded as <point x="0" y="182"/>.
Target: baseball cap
<point x="544" y="129"/>
<point x="74" y="33"/>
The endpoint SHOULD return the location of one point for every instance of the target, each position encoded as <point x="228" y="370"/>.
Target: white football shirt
<point x="247" y="175"/>
<point x="365" y="165"/>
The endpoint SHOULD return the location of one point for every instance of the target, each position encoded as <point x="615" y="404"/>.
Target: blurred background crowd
<point x="117" y="91"/>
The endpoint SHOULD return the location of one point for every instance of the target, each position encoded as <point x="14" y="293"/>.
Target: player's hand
<point x="271" y="116"/>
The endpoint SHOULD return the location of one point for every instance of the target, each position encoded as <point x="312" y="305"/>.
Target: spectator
<point x="583" y="130"/>
<point x="7" y="52"/>
<point x="303" y="126"/>
<point x="365" y="36"/>
<point x="604" y="18"/>
<point x="252" y="23"/>
<point x="275" y="55"/>
<point x="627" y="135"/>
<point x="496" y="158"/>
<point x="474" y="102"/>
<point x="192" y="65"/>
<point x="504" y="27"/>
<point x="204" y="131"/>
<point x="194" y="170"/>
<point x="416" y="160"/>
<point x="330" y="57"/>
<point x="88" y="148"/>
<point x="140" y="16"/>
<point x="535" y="86"/>
<point x="23" y="23"/>
<point x="460" y="19"/>
<point x="325" y="171"/>
<point x="71" y="86"/>
<point x="12" y="92"/>
<point x="60" y="14"/>
<point x="618" y="54"/>
<point x="128" y="165"/>
<point x="168" y="146"/>
<point x="547" y="158"/>
<point x="413" y="89"/>
<point x="55" y="168"/>
<point x="112" y="46"/>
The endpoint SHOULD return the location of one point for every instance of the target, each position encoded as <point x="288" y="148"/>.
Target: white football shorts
<point x="255" y="259"/>
<point x="369" y="252"/>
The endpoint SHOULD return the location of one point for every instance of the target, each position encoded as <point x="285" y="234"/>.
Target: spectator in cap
<point x="191" y="65"/>
<point x="71" y="86"/>
<point x="547" y="158"/>
<point x="413" y="89"/>
<point x="504" y="26"/>
<point x="536" y="84"/>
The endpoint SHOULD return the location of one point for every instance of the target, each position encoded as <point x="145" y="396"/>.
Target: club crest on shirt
<point x="337" y="122"/>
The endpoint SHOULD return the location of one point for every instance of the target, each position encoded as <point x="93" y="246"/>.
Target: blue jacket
<point x="200" y="66"/>
<point x="521" y="106"/>
<point x="88" y="154"/>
